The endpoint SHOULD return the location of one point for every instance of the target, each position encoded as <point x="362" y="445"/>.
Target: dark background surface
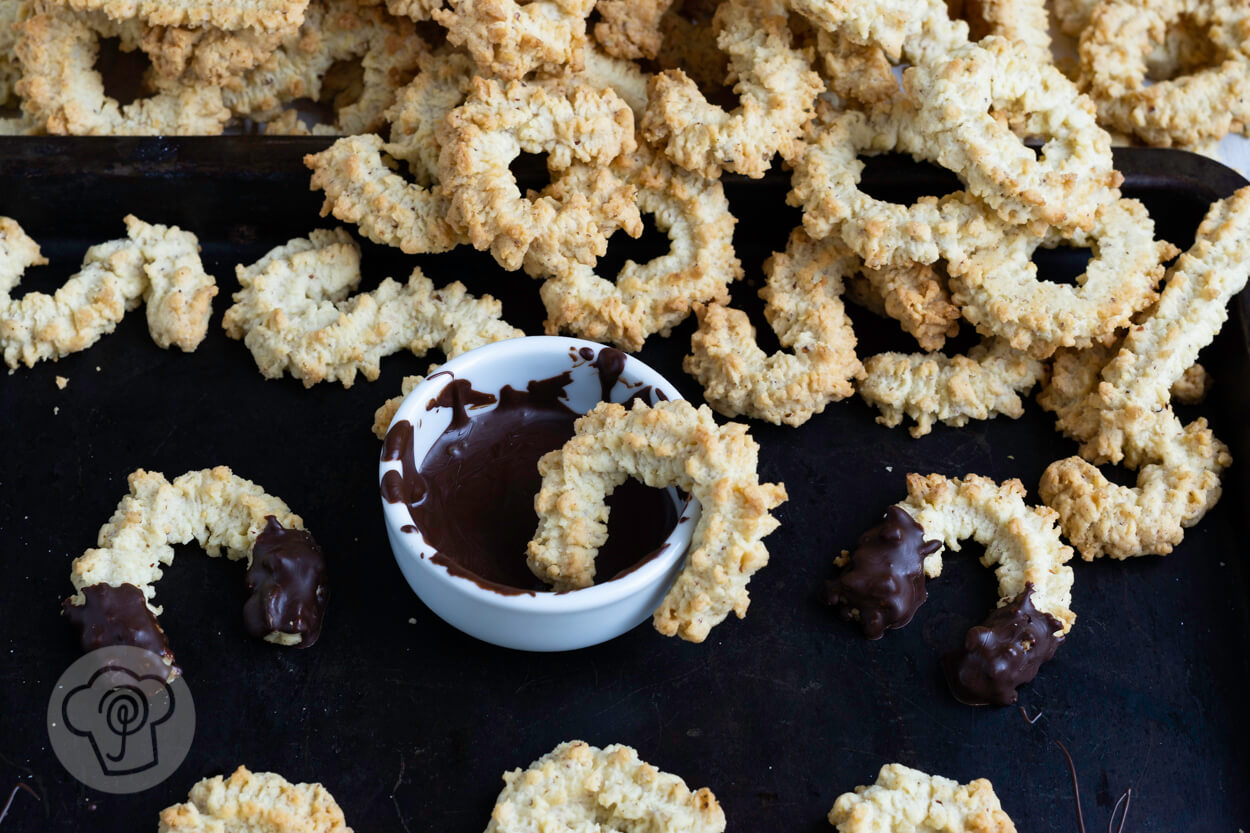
<point x="411" y="725"/>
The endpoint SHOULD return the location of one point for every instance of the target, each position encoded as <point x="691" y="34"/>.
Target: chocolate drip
<point x="1003" y="653"/>
<point x="473" y="497"/>
<point x="611" y="364"/>
<point x="117" y="616"/>
<point x="459" y="395"/>
<point x="406" y="485"/>
<point x="884" y="584"/>
<point x="287" y="578"/>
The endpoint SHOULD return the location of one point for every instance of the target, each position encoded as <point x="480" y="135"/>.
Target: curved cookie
<point x="778" y="91"/>
<point x="932" y="387"/>
<point x="510" y="39"/>
<point x="254" y="802"/>
<point x="62" y="90"/>
<point x="883" y="584"/>
<point x="655" y="296"/>
<point x="999" y="290"/>
<point x="1189" y="109"/>
<point x="983" y="95"/>
<point x="158" y="265"/>
<point x="1122" y="412"/>
<point x="387" y="48"/>
<point x="579" y="787"/>
<point x="361" y="188"/>
<point x="574" y="124"/>
<point x="907" y="800"/>
<point x="803" y="304"/>
<point x="114" y="582"/>
<point x="670" y="444"/>
<point x="294" y="313"/>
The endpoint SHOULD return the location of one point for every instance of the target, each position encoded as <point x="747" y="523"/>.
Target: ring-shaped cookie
<point x="777" y="89"/>
<point x="1023" y="22"/>
<point x="670" y="444"/>
<point x="933" y="387"/>
<point x="983" y="97"/>
<point x="361" y="188"/>
<point x="826" y="185"/>
<point x="579" y="787"/>
<point x="655" y="296"/>
<point x="388" y="49"/>
<point x="156" y="265"/>
<point x="572" y="123"/>
<point x="1189" y="110"/>
<point x="1000" y="292"/>
<point x="223" y="513"/>
<point x="803" y="305"/>
<point x="883" y="584"/>
<point x="295" y="314"/>
<point x="63" y="91"/>
<point x="510" y="39"/>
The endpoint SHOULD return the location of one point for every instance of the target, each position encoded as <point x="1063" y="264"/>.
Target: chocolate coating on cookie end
<point x="287" y="578"/>
<point x="116" y="616"/>
<point x="884" y="584"/>
<point x="1003" y="653"/>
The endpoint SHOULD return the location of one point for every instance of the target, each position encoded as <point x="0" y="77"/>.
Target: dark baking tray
<point x="410" y="723"/>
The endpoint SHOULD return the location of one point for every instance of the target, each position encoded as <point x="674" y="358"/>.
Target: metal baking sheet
<point x="410" y="723"/>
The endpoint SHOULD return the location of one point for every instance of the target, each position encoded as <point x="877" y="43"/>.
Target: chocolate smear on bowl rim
<point x="1002" y="653"/>
<point x="488" y="462"/>
<point x="610" y="363"/>
<point x="883" y="584"/>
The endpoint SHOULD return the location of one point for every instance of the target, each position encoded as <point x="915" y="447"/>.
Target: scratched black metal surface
<point x="410" y="723"/>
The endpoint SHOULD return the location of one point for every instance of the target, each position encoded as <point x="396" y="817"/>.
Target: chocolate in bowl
<point x="458" y="477"/>
<point x="490" y="459"/>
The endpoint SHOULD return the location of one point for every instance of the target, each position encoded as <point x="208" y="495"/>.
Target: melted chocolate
<point x="117" y="616"/>
<point x="287" y="578"/>
<point x="1003" y="653"/>
<point x="459" y="395"/>
<point x="884" y="583"/>
<point x="611" y="364"/>
<point x="473" y="495"/>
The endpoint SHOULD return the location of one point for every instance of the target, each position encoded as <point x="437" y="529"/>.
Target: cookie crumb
<point x="62" y="382"/>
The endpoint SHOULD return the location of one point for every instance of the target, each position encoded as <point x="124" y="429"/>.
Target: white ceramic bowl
<point x="542" y="621"/>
